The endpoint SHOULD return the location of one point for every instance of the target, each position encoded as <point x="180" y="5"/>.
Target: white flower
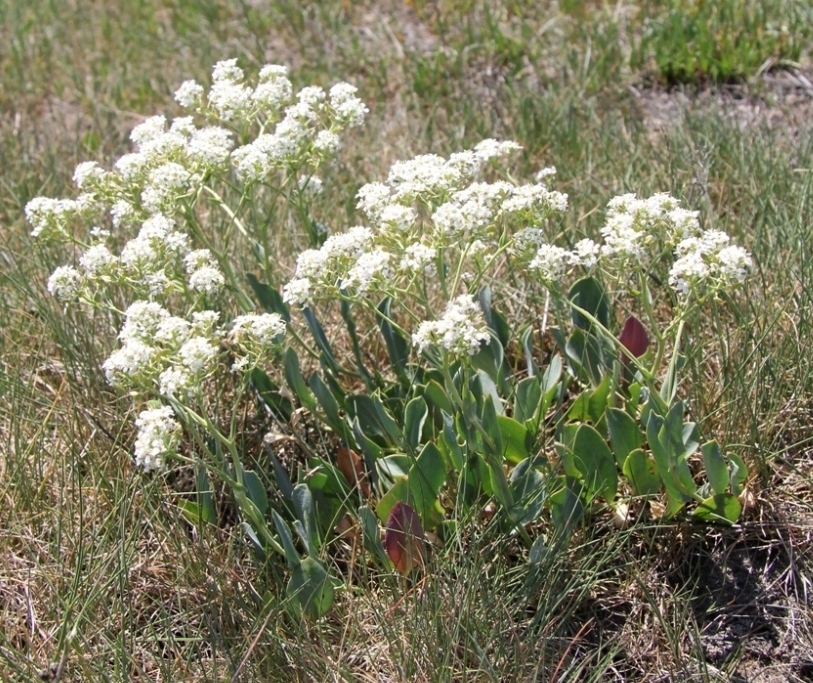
<point x="227" y="70"/>
<point x="734" y="262"/>
<point x="550" y="262"/>
<point x="419" y="257"/>
<point x="326" y="142"/>
<point x="310" y="186"/>
<point x="297" y="291"/>
<point x="490" y="149"/>
<point x="207" y="280"/>
<point x="64" y="283"/>
<point x="710" y="260"/>
<point x="425" y="176"/>
<point x="585" y="253"/>
<point x="172" y="331"/>
<point x="183" y="125"/>
<point x="546" y="172"/>
<point x="189" y="94"/>
<point x="176" y="382"/>
<point x="198" y="355"/>
<point x="349" y="109"/>
<point x="157" y="282"/>
<point x="135" y="358"/>
<point x="149" y="130"/>
<point x="534" y="198"/>
<point x="122" y="212"/>
<point x="210" y="146"/>
<point x="130" y="166"/>
<point x="158" y="436"/>
<point x="96" y="260"/>
<point x="466" y="164"/>
<point x="312" y="263"/>
<point x="370" y="266"/>
<point x="203" y="323"/>
<point x="228" y="96"/>
<point x="684" y="223"/>
<point x="257" y="330"/>
<point x="142" y="320"/>
<point x="461" y="330"/>
<point x="274" y="89"/>
<point x="197" y="259"/>
<point x="398" y="217"/>
<point x="470" y="210"/>
<point x="621" y="238"/>
<point x="88" y="173"/>
<point x="48" y="216"/>
<point x="167" y="183"/>
<point x="372" y="199"/>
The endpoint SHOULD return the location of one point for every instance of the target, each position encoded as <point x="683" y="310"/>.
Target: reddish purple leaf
<point x="404" y="539"/>
<point x="352" y="468"/>
<point x="633" y="338"/>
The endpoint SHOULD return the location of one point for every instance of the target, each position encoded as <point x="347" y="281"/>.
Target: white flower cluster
<point x="551" y="263"/>
<point x="709" y="261"/>
<point x="428" y="205"/>
<point x="634" y="224"/>
<point x="460" y="330"/>
<point x="159" y="350"/>
<point x="328" y="266"/>
<point x="158" y="436"/>
<point x="253" y="336"/>
<point x="307" y="127"/>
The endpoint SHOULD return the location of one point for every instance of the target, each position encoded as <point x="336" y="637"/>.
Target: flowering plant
<point x="465" y="408"/>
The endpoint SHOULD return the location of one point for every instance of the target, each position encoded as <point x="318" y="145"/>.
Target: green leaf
<point x="586" y="356"/>
<point x="303" y="507"/>
<point x="676" y="496"/>
<point x="526" y="338"/>
<point x="642" y="473"/>
<point x="397" y="346"/>
<point x="449" y="438"/>
<point x="255" y="541"/>
<point x="722" y="508"/>
<point x="311" y="587"/>
<point x="589" y="295"/>
<point x="255" y="490"/>
<point x="437" y="398"/>
<point x="492" y="427"/>
<point x="415" y="415"/>
<point x="287" y="542"/>
<point x="527" y="399"/>
<point x="269" y="298"/>
<point x="553" y="373"/>
<point x="372" y="535"/>
<point x="716" y="468"/>
<point x="286" y="488"/>
<point x="321" y="339"/>
<point x="528" y="489"/>
<point x="205" y="496"/>
<point x="595" y="461"/>
<point x="567" y="508"/>
<point x="426" y="477"/>
<point x="296" y="382"/>
<point x="269" y="394"/>
<point x="374" y="418"/>
<point x="330" y="407"/>
<point x="625" y="434"/>
<point x="399" y="492"/>
<point x="739" y="473"/>
<point x="516" y="439"/>
<point x="354" y="341"/>
<point x="494" y="319"/>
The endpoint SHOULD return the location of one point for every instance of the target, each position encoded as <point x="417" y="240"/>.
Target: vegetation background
<point x="101" y="579"/>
